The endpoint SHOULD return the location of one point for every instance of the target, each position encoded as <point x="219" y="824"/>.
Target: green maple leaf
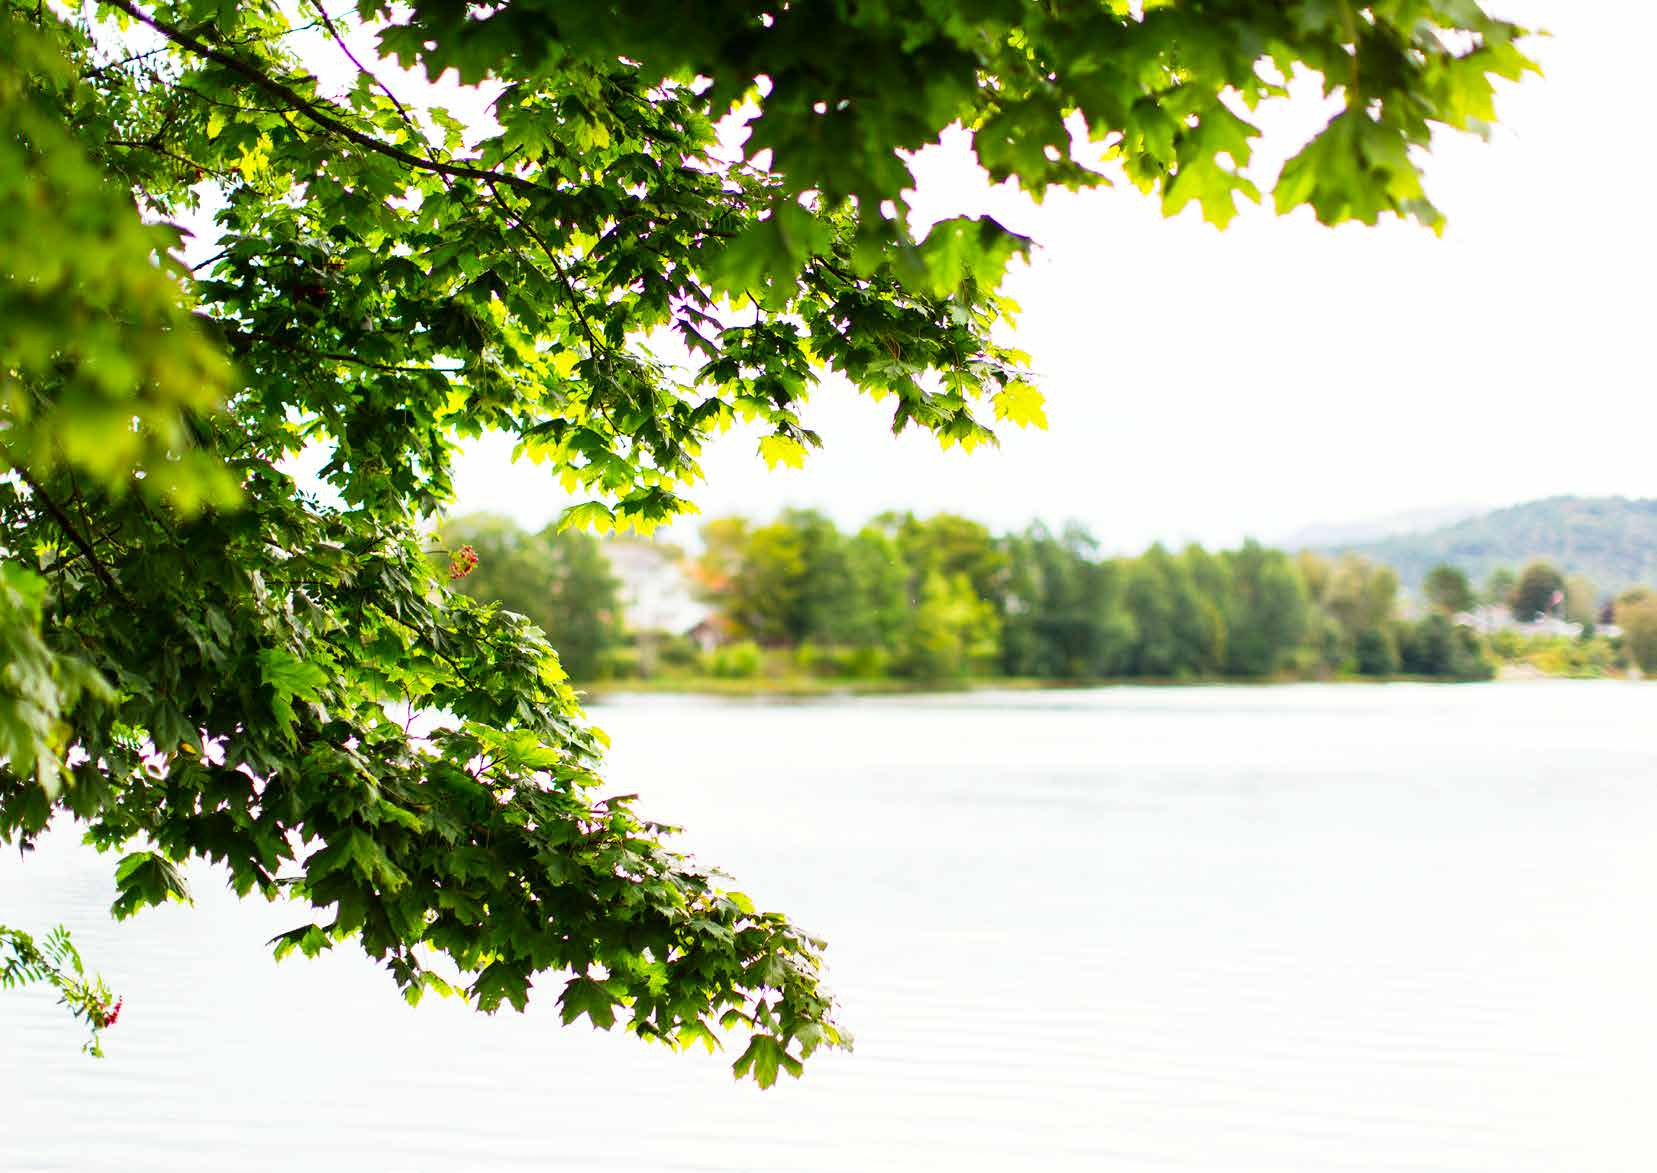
<point x="763" y="1058"/>
<point x="582" y="995"/>
<point x="145" y="878"/>
<point x="289" y="678"/>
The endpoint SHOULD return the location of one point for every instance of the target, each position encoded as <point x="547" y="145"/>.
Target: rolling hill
<point x="1611" y="540"/>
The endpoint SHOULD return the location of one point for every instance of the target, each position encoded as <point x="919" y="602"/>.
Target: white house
<point x="1491" y="618"/>
<point x="655" y="590"/>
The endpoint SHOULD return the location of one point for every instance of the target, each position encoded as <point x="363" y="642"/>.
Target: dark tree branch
<point x="66" y="525"/>
<point x="235" y="335"/>
<point x="218" y="256"/>
<point x="313" y="110"/>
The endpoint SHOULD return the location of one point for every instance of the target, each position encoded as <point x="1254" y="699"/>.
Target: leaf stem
<point x="1354" y="92"/>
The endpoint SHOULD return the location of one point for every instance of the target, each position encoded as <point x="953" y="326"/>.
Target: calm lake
<point x="1229" y="929"/>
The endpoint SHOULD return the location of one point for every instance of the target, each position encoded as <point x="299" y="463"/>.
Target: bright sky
<point x="1211" y="386"/>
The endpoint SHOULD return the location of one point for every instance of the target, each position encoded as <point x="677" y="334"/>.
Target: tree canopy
<point x="1539" y="591"/>
<point x="200" y="650"/>
<point x="1448" y="590"/>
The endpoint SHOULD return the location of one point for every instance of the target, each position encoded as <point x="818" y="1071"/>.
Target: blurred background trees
<point x="561" y="582"/>
<point x="943" y="599"/>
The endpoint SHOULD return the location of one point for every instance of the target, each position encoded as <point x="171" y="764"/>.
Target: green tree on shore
<point x="882" y="588"/>
<point x="1063" y="612"/>
<point x="1448" y="590"/>
<point x="1539" y="590"/>
<point x="953" y="631"/>
<point x="1636" y="614"/>
<point x="1436" y="647"/>
<point x="1582" y="600"/>
<point x="1153" y="590"/>
<point x="1269" y="612"/>
<point x="947" y="544"/>
<point x="1356" y="599"/>
<point x="1210" y="612"/>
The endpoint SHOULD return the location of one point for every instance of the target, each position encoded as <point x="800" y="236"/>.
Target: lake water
<point x="1377" y="928"/>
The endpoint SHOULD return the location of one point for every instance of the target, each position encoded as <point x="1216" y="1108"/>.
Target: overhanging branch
<point x="313" y="110"/>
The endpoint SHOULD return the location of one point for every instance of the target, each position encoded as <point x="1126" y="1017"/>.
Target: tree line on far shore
<point x="943" y="598"/>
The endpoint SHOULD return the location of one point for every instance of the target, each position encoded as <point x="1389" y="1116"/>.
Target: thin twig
<point x="598" y="348"/>
<point x="333" y="31"/>
<point x="146" y="145"/>
<point x="218" y="256"/>
<point x="148" y="53"/>
<point x="122" y="63"/>
<point x="528" y="230"/>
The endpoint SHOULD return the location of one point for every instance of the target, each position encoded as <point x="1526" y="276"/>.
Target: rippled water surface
<point x="1231" y="929"/>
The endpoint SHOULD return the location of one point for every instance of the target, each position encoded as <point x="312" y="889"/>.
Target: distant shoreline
<point x="807" y="687"/>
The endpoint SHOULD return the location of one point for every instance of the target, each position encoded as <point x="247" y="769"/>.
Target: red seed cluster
<point x="111" y="1013"/>
<point x="463" y="562"/>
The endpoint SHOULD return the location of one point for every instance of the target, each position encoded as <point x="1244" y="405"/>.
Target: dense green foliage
<point x="1611" y="540"/>
<point x="200" y="651"/>
<point x="1436" y="647"/>
<point x="942" y="598"/>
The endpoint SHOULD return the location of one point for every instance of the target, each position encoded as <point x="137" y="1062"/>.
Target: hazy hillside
<point x="1612" y="540"/>
<point x="1338" y="535"/>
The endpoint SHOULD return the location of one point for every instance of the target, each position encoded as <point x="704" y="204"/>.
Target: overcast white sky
<point x="1211" y="386"/>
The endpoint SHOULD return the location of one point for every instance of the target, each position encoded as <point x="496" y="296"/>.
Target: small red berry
<point x="463" y="562"/>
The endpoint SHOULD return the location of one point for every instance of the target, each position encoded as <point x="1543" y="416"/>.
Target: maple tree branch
<point x="312" y="110"/>
<point x="234" y="335"/>
<point x="134" y="58"/>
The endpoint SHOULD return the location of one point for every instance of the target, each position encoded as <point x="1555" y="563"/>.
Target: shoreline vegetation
<point x="796" y="607"/>
<point x="801" y="687"/>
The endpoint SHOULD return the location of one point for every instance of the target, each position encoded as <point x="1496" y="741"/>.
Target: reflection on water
<point x="1222" y="929"/>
